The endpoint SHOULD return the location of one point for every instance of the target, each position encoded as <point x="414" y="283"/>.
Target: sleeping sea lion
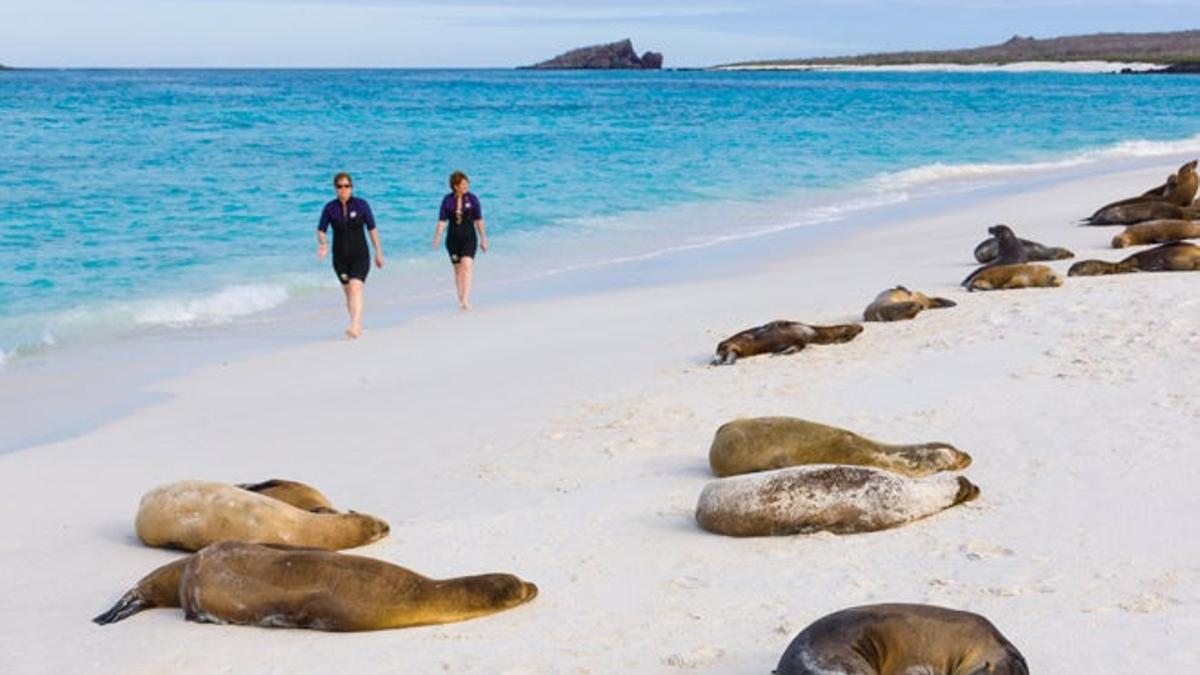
<point x="989" y="249"/>
<point x="299" y="495"/>
<point x="1157" y="232"/>
<point x="190" y="515"/>
<point x="899" y="303"/>
<point x="1013" y="276"/>
<point x="288" y="587"/>
<point x="1128" y="214"/>
<point x="838" y="499"/>
<point x="766" y="443"/>
<point x="781" y="337"/>
<point x="1157" y="194"/>
<point x="901" y="639"/>
<point x="1010" y="251"/>
<point x="1174" y="257"/>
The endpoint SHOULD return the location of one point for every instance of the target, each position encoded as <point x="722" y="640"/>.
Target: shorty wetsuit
<point x="460" y="238"/>
<point x="351" y="255"/>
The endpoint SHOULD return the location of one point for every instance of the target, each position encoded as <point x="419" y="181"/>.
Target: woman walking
<point x="351" y="257"/>
<point x="461" y="210"/>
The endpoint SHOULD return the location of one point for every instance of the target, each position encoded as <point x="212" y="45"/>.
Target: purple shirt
<point x="471" y="210"/>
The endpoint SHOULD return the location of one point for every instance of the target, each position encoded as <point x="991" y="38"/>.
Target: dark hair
<point x="340" y="176"/>
<point x="456" y="178"/>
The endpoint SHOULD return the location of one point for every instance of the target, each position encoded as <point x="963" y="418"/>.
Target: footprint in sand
<point x="696" y="658"/>
<point x="982" y="550"/>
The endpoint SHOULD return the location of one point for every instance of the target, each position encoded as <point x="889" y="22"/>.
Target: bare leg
<point x="458" y="280"/>
<point x="354" y="305"/>
<point x="465" y="266"/>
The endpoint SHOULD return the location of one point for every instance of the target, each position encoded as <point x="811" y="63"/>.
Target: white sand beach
<point x="566" y="441"/>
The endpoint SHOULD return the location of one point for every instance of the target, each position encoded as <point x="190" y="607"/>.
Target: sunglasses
<point x="344" y="185"/>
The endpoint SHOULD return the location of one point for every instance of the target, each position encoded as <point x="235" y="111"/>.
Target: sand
<point x="566" y="441"/>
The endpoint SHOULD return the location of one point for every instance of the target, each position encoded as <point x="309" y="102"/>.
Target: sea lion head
<point x="967" y="491"/>
<point x="500" y="591"/>
<point x="1121" y="240"/>
<point x="1188" y="168"/>
<point x="373" y="528"/>
<point x="1092" y="268"/>
<point x="1000" y="230"/>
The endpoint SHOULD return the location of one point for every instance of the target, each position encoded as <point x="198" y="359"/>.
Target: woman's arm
<point x="437" y="234"/>
<point x="378" y="247"/>
<point x="482" y="235"/>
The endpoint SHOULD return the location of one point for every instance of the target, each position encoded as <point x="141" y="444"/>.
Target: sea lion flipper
<point x="131" y="603"/>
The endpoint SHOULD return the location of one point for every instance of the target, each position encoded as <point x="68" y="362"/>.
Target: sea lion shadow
<point x="680" y="467"/>
<point x="117" y="529"/>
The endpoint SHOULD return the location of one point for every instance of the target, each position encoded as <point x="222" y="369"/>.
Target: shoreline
<point x="564" y="440"/>
<point x="1015" y="67"/>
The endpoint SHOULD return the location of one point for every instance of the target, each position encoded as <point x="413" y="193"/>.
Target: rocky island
<point x="612" y="56"/>
<point x="1180" y="47"/>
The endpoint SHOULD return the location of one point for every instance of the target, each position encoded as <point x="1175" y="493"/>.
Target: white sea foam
<point x="221" y="307"/>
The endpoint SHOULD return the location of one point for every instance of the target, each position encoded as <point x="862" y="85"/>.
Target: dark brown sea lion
<point x="838" y="499"/>
<point x="781" y="337"/>
<point x="1174" y="257"/>
<point x="1128" y="214"/>
<point x="899" y="303"/>
<point x="1010" y="251"/>
<point x="1157" y="194"/>
<point x="299" y="495"/>
<point x="901" y="639"/>
<point x="989" y="249"/>
<point x="1013" y="276"/>
<point x="290" y="587"/>
<point x="766" y="443"/>
<point x="190" y="515"/>
<point x="1157" y="232"/>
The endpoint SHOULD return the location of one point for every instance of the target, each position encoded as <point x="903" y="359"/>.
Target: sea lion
<point x="1174" y="257"/>
<point x="299" y="495"/>
<point x="192" y="514"/>
<point x="989" y="249"/>
<point x="1128" y="214"/>
<point x="1010" y="251"/>
<point x="1157" y="194"/>
<point x="899" y="303"/>
<point x="1156" y="232"/>
<point x="901" y="639"/>
<point x="1013" y="276"/>
<point x="289" y="587"/>
<point x="1180" y="191"/>
<point x="839" y="499"/>
<point x="781" y="337"/>
<point x="766" y="443"/>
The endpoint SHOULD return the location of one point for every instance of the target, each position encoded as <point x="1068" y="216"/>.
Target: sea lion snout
<point x="967" y="491"/>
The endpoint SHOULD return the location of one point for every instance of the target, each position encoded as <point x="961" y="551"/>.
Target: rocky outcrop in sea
<point x="612" y="56"/>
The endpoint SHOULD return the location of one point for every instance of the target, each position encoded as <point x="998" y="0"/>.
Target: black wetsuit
<point x="461" y="240"/>
<point x="351" y="254"/>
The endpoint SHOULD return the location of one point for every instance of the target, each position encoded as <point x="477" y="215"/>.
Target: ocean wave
<point x="939" y="172"/>
<point x="221" y="307"/>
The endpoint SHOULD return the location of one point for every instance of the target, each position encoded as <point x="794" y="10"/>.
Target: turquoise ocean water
<point x="169" y="200"/>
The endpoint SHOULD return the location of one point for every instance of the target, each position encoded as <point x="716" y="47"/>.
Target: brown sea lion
<point x="190" y="515"/>
<point x="1180" y="191"/>
<point x="1128" y="214"/>
<point x="899" y="303"/>
<point x="1157" y="232"/>
<point x="1157" y="194"/>
<point x="989" y="249"/>
<point x="299" y="495"/>
<point x="1010" y="251"/>
<point x="901" y="639"/>
<point x="781" y="337"/>
<point x="1173" y="257"/>
<point x="766" y="443"/>
<point x="288" y="587"/>
<point x="1013" y="276"/>
<point x="838" y="499"/>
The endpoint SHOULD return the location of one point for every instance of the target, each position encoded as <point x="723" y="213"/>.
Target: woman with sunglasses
<point x="351" y="257"/>
<point x="462" y="211"/>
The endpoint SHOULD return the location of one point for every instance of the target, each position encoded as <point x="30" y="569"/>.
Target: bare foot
<point x="353" y="333"/>
<point x="464" y="306"/>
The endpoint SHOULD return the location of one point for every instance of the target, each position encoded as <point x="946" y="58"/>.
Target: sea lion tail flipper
<point x="939" y="303"/>
<point x="131" y="603"/>
<point x="259" y="487"/>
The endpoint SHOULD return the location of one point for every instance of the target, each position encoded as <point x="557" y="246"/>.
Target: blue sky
<point x="456" y="33"/>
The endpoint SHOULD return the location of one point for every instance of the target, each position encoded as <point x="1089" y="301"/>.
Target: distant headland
<point x="613" y="56"/>
<point x="1152" y="48"/>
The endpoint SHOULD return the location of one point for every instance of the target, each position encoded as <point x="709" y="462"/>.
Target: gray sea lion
<point x="1156" y="232"/>
<point x="781" y="337"/>
<point x="901" y="639"/>
<point x="1010" y="251"/>
<point x="299" y="495"/>
<point x="899" y="303"/>
<point x="1128" y="214"/>
<point x="1173" y="257"/>
<point x="288" y="587"/>
<point x="766" y="443"/>
<point x="1013" y="276"/>
<point x="838" y="499"/>
<point x="989" y="249"/>
<point x="190" y="515"/>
